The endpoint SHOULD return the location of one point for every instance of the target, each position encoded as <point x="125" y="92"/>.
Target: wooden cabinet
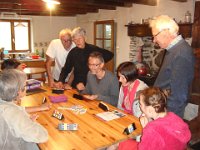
<point x="142" y="30"/>
<point x="36" y="63"/>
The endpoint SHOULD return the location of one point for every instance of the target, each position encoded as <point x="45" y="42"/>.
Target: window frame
<point x="12" y="21"/>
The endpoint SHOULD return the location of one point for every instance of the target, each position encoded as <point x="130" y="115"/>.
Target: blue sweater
<point x="176" y="74"/>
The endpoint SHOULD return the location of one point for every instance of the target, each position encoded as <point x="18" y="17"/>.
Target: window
<point x="104" y="38"/>
<point x="15" y="35"/>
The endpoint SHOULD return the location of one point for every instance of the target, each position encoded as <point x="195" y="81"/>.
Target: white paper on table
<point x="107" y="116"/>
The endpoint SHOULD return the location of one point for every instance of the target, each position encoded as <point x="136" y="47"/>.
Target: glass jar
<point x="188" y="17"/>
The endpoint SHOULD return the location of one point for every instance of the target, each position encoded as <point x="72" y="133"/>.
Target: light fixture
<point x="20" y="24"/>
<point x="51" y="3"/>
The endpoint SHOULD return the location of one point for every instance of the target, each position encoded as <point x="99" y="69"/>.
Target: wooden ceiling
<point x="68" y="7"/>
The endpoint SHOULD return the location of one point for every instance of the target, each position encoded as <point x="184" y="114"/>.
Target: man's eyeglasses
<point x="154" y="36"/>
<point x="67" y="41"/>
<point x="93" y="65"/>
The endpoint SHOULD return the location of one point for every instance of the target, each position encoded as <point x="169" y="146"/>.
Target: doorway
<point x="104" y="38"/>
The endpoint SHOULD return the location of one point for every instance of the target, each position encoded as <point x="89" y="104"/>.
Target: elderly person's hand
<point x="67" y="86"/>
<point x="34" y="117"/>
<point x="45" y="106"/>
<point x="58" y="85"/>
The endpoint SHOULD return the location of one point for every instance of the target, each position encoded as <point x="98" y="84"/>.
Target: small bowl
<point x="35" y="56"/>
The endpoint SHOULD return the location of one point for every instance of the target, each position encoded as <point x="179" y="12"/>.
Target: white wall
<point x="46" y="28"/>
<point x="124" y="15"/>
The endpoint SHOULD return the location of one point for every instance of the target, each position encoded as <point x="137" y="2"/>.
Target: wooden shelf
<point x="142" y="30"/>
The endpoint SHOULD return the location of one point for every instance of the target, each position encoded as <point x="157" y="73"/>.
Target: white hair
<point x="163" y="22"/>
<point x="78" y="31"/>
<point x="65" y="32"/>
<point x="11" y="82"/>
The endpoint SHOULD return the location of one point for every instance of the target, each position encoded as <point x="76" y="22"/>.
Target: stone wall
<point x="151" y="54"/>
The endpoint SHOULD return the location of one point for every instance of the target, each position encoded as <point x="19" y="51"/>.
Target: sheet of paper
<point x="110" y="115"/>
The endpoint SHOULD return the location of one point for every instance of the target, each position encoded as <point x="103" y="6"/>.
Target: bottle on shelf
<point x="188" y="17"/>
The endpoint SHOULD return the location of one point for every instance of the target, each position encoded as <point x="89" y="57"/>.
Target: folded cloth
<point x="57" y="99"/>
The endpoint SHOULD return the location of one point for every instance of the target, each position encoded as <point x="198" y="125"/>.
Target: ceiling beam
<point x="146" y="2"/>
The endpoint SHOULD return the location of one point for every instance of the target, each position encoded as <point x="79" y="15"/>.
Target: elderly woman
<point x="14" y="64"/>
<point x="18" y="131"/>
<point x="162" y="130"/>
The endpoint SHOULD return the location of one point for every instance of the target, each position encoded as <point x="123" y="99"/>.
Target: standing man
<point x="177" y="70"/>
<point x="101" y="83"/>
<point x="58" y="51"/>
<point x="78" y="59"/>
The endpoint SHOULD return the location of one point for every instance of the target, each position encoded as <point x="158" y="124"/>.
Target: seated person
<point x="130" y="86"/>
<point x="101" y="83"/>
<point x="14" y="64"/>
<point x="165" y="131"/>
<point x="18" y="131"/>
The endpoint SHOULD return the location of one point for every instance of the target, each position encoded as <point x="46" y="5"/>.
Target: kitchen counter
<point x="26" y="59"/>
<point x="32" y="62"/>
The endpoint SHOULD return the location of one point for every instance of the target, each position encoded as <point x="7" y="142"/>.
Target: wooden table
<point x="35" y="70"/>
<point x="93" y="133"/>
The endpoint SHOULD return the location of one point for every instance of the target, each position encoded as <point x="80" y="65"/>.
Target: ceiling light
<point x="52" y="2"/>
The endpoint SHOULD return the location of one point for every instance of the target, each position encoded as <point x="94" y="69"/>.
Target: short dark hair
<point x="98" y="55"/>
<point x="128" y="70"/>
<point x="10" y="64"/>
<point x="155" y="97"/>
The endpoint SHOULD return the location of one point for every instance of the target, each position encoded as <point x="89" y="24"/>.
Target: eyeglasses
<point x="154" y="36"/>
<point x="67" y="41"/>
<point x="93" y="65"/>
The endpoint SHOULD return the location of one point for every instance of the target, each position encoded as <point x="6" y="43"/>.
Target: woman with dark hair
<point x="128" y="75"/>
<point x="12" y="64"/>
<point x="162" y="130"/>
<point x="18" y="130"/>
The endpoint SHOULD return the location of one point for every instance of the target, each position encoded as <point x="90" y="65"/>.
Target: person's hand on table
<point x="45" y="106"/>
<point x="34" y="117"/>
<point x="80" y="86"/>
<point x="67" y="86"/>
<point x="90" y="97"/>
<point x="58" y="85"/>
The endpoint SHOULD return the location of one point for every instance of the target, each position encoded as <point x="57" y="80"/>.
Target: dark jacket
<point x="78" y="59"/>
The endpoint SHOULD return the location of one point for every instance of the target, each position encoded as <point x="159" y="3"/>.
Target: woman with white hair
<point x="18" y="130"/>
